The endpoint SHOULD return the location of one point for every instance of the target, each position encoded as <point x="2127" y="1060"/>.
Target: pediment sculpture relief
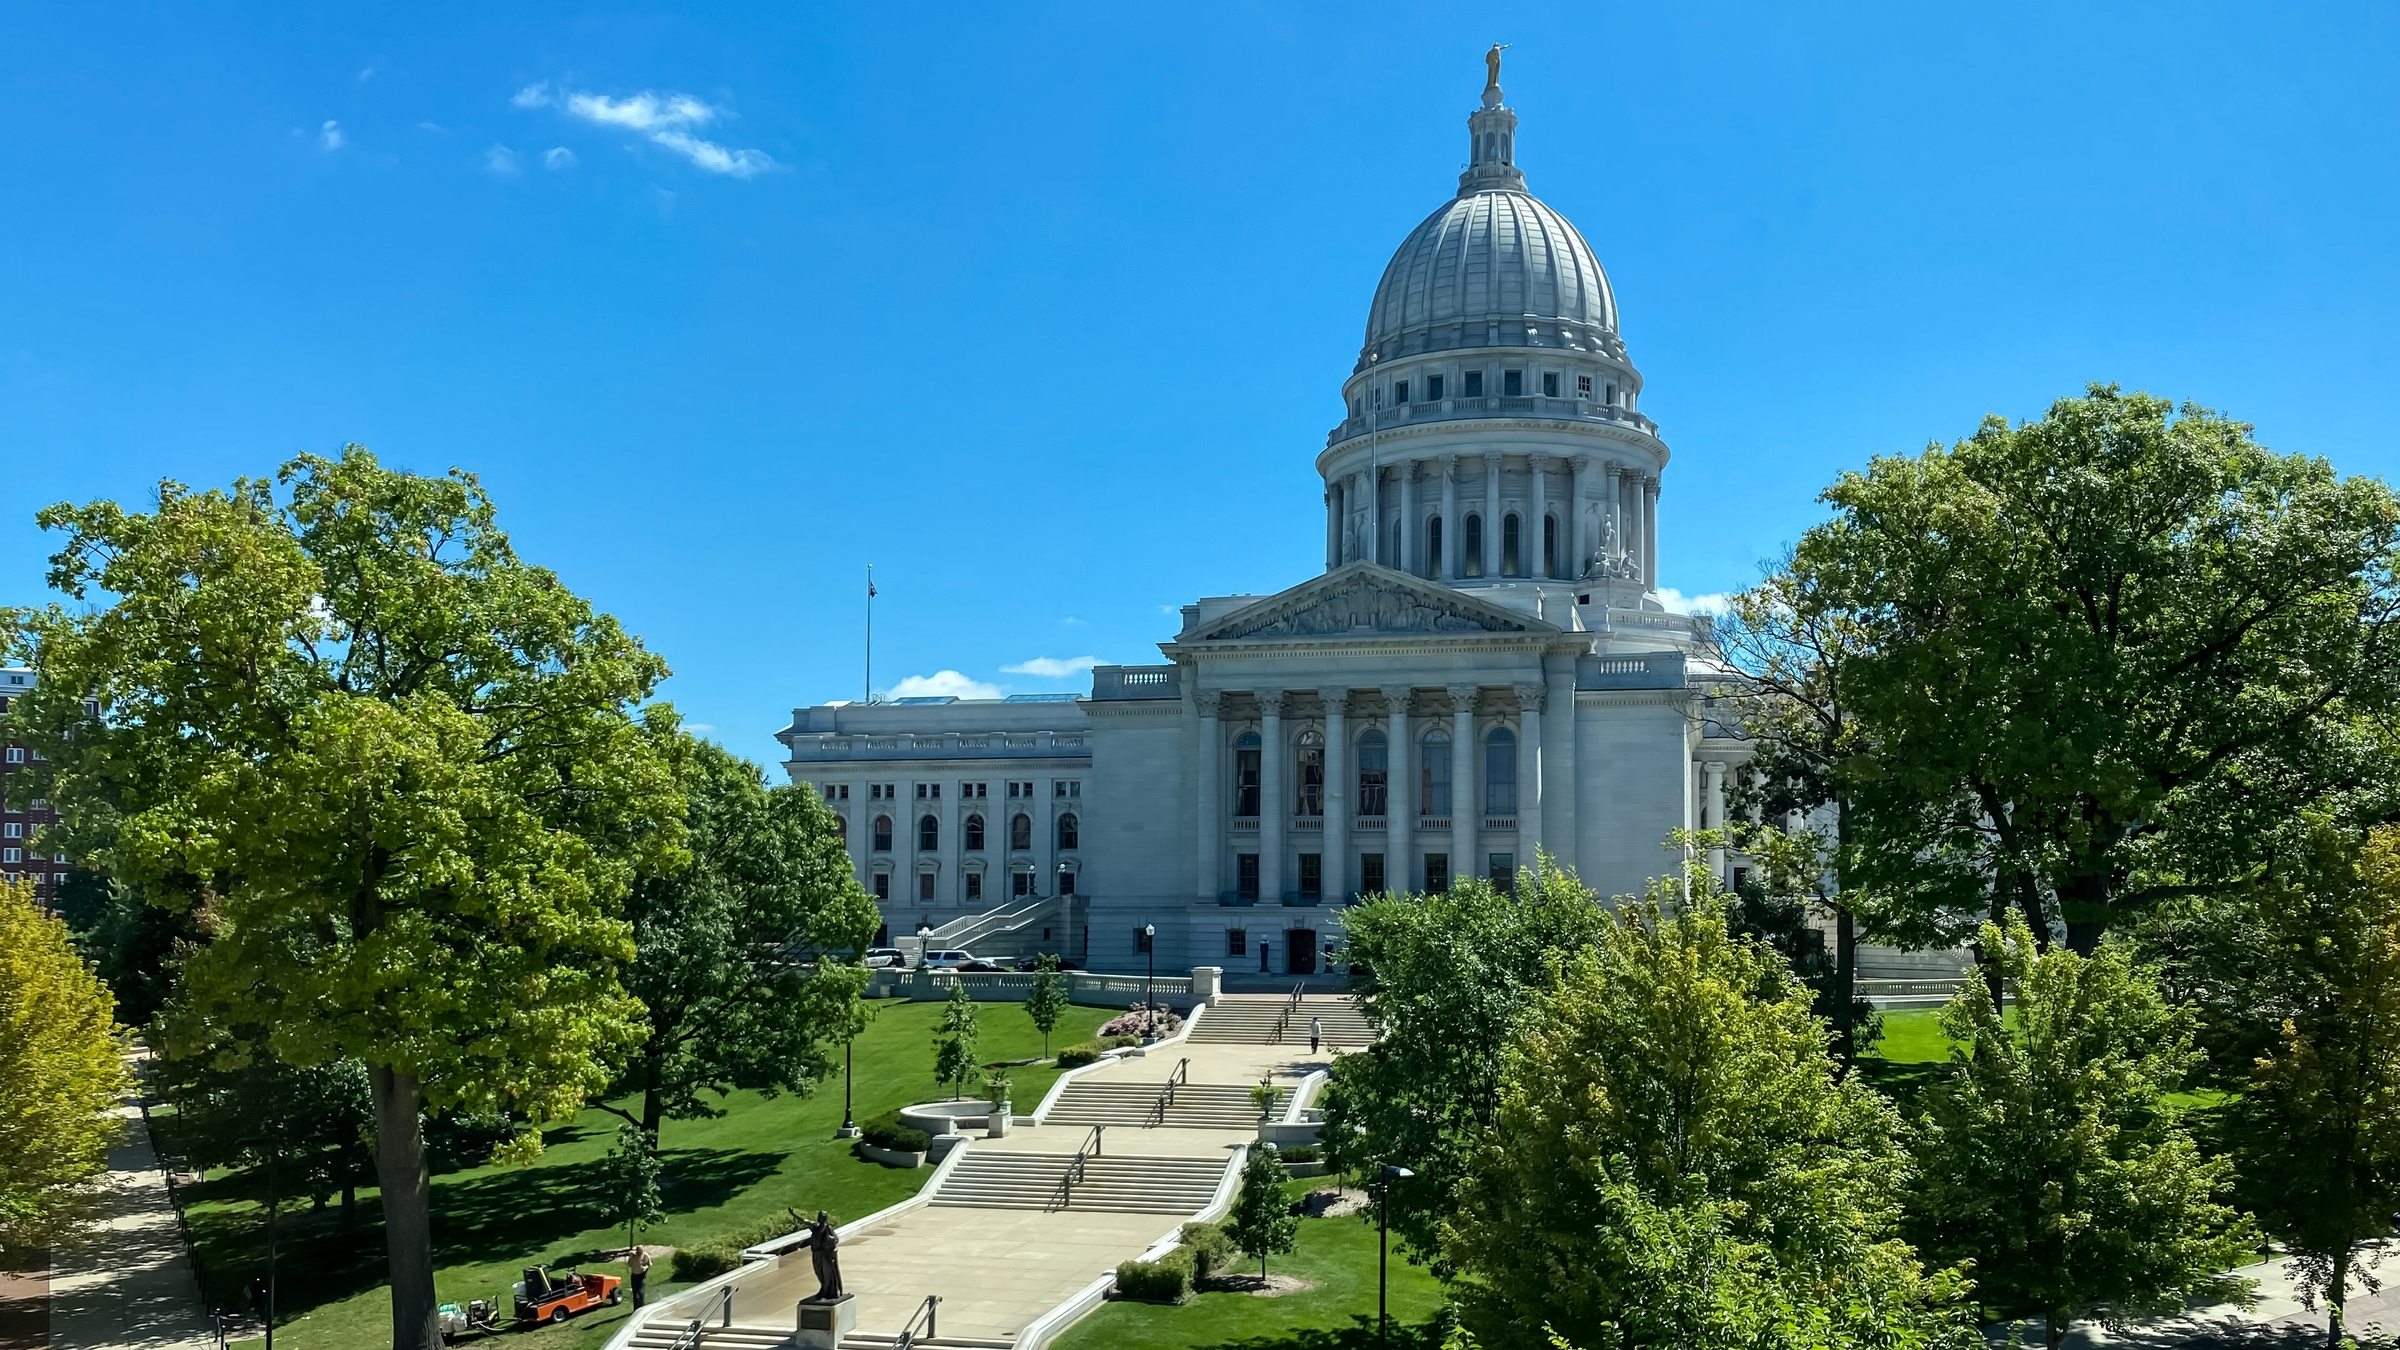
<point x="1367" y="609"/>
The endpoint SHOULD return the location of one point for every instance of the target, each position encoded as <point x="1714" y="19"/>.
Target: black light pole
<point x="1383" y="1251"/>
<point x="274" y="1154"/>
<point x="847" y="1047"/>
<point x="1150" y="944"/>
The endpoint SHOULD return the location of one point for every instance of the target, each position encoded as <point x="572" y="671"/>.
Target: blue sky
<point x="1043" y="310"/>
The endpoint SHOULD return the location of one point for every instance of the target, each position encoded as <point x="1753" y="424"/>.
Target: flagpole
<point x="870" y="695"/>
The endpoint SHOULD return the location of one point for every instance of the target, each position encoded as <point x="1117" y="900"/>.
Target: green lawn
<point x="1335" y="1255"/>
<point x="761" y="1157"/>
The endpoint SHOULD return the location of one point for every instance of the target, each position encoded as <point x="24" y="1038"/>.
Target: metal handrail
<point x="1166" y="1095"/>
<point x="926" y="1311"/>
<point x="1290" y="1006"/>
<point x="689" y="1337"/>
<point x="1073" y="1176"/>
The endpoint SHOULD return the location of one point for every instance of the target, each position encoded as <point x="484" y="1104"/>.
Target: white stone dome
<point x="1494" y="267"/>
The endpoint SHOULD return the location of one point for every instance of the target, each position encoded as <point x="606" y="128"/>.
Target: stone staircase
<point x="662" y="1334"/>
<point x="1114" y="1183"/>
<point x="1197" y="1106"/>
<point x="1251" y="1021"/>
<point x="875" y="1340"/>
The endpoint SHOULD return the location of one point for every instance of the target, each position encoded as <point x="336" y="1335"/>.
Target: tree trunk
<point x="2335" y="1290"/>
<point x="1845" y="983"/>
<point x="407" y="1207"/>
<point x="654" y="1105"/>
<point x="2054" y="1328"/>
<point x="2086" y="909"/>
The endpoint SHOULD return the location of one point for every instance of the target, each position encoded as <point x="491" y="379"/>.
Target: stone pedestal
<point x="848" y="1132"/>
<point x="1207" y="983"/>
<point x="997" y="1123"/>
<point x="822" y="1325"/>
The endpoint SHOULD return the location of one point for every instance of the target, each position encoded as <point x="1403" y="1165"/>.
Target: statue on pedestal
<point x="823" y="1245"/>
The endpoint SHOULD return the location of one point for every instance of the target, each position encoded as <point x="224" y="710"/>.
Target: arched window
<point x="1374" y="768"/>
<point x="1510" y="556"/>
<point x="883" y="834"/>
<point x="1433" y="548"/>
<point x="1020" y="833"/>
<point x="1433" y="774"/>
<point x="1500" y="773"/>
<point x="1391" y="557"/>
<point x="974" y="839"/>
<point x="1312" y="775"/>
<point x="1245" y="774"/>
<point x="1549" y="546"/>
<point x="1470" y="548"/>
<point x="929" y="834"/>
<point x="844" y="823"/>
<point x="1069" y="833"/>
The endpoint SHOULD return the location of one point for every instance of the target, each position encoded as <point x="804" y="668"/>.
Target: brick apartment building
<point x="23" y="817"/>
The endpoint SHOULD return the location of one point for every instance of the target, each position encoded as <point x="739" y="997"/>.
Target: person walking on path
<point x="637" y="1266"/>
<point x="1316" y="1033"/>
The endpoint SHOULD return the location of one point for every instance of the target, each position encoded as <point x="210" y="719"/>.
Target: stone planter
<point x="939" y="1118"/>
<point x="889" y="1157"/>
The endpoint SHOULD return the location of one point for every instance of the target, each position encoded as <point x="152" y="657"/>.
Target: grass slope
<point x="760" y="1158"/>
<point x="1335" y="1255"/>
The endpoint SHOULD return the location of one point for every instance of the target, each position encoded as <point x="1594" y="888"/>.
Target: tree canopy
<point x="61" y="1075"/>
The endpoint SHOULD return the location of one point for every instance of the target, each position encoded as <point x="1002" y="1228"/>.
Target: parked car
<point x="1035" y="963"/>
<point x="979" y="964"/>
<point x="946" y="960"/>
<point x="886" y="958"/>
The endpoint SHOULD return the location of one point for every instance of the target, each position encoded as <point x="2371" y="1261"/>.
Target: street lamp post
<point x="1150" y="942"/>
<point x="1383" y="1251"/>
<point x="274" y="1155"/>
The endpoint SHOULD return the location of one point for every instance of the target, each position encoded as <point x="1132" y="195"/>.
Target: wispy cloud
<point x="664" y="119"/>
<point x="558" y="157"/>
<point x="940" y="682"/>
<point x="330" y="136"/>
<point x="1053" y="667"/>
<point x="500" y="160"/>
<point x="1714" y="602"/>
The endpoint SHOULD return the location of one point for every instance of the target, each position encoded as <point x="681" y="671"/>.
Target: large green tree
<point x="2053" y="1160"/>
<point x="748" y="959"/>
<point x="396" y="774"/>
<point x="1447" y="982"/>
<point x="61" y="1074"/>
<point x="1676" y="1161"/>
<point x="2103" y="657"/>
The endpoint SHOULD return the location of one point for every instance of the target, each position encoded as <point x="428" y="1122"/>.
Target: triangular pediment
<point x="1368" y="600"/>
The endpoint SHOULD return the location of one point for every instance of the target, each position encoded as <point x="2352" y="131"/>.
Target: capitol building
<point x="1483" y="668"/>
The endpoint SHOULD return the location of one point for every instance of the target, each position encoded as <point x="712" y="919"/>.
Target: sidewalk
<point x="2279" y="1319"/>
<point x="131" y="1288"/>
<point x="25" y="1305"/>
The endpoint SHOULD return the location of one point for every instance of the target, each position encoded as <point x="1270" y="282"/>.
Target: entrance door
<point x="1300" y="951"/>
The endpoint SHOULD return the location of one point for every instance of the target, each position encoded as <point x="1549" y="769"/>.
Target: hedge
<point x="1167" y="1281"/>
<point x="886" y="1131"/>
<point x="1210" y="1250"/>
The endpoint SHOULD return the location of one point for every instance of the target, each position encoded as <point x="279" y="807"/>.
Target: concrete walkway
<point x="2279" y="1319"/>
<point x="131" y="1286"/>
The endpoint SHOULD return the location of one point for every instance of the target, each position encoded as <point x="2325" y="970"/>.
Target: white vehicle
<point x="947" y="960"/>
<point x="885" y="958"/>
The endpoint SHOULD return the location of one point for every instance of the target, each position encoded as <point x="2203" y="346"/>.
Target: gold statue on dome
<point x="1491" y="66"/>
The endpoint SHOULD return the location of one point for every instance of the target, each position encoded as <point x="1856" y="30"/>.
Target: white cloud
<point x="558" y="157"/>
<point x="500" y="160"/>
<point x="1072" y="622"/>
<point x="664" y="119"/>
<point x="941" y="682"/>
<point x="699" y="728"/>
<point x="366" y="75"/>
<point x="1715" y="602"/>
<point x="1052" y="667"/>
<point x="330" y="135"/>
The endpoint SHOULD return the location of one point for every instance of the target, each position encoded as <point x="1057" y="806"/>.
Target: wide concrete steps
<point x="661" y="1335"/>
<point x="876" y="1340"/>
<point x="1116" y="1184"/>
<point x="1197" y="1106"/>
<point x="1252" y="1021"/>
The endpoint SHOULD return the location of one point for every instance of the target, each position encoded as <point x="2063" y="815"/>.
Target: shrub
<point x="704" y="1262"/>
<point x="1211" y="1251"/>
<point x="1136" y="1021"/>
<point x="1303" y="1153"/>
<point x="1076" y="1056"/>
<point x="1167" y="1281"/>
<point x="1117" y="1042"/>
<point x="886" y="1131"/>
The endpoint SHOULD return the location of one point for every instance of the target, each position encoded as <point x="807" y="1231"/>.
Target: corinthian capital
<point x="1270" y="702"/>
<point x="1209" y="700"/>
<point x="1531" y="697"/>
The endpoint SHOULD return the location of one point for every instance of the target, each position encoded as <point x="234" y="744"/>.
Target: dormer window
<point x="1512" y="384"/>
<point x="1583" y="386"/>
<point x="1474" y="384"/>
<point x="1399" y="393"/>
<point x="1433" y="389"/>
<point x="1549" y="384"/>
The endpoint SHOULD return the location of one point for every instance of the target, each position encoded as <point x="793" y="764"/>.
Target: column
<point x="1336" y="863"/>
<point x="1333" y="526"/>
<point x="1538" y="465"/>
<point x="1362" y="506"/>
<point x="1400" y="813"/>
<point x="1561" y="807"/>
<point x="1407" y="472"/>
<point x="1491" y="513"/>
<point x="1650" y="532"/>
<point x="1715" y="770"/>
<point x="1464" y="804"/>
<point x="1613" y="485"/>
<point x="1633" y="521"/>
<point x="1577" y="469"/>
<point x="1273" y="810"/>
<point x="1453" y="566"/>
<point x="1529" y="770"/>
<point x="1211" y="754"/>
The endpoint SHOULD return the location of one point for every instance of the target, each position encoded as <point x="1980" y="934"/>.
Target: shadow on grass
<point x="1359" y="1335"/>
<point x="1905" y="1084"/>
<point x="511" y="1213"/>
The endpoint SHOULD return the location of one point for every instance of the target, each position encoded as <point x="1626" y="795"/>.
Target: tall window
<point x="1550" y="384"/>
<point x="1020" y="832"/>
<point x="1237" y="942"/>
<point x="1245" y="774"/>
<point x="1437" y="873"/>
<point x="1549" y="546"/>
<point x="974" y="885"/>
<point x="929" y="834"/>
<point x="1399" y="392"/>
<point x="1070" y="834"/>
<point x="1433" y="389"/>
<point x="1583" y="386"/>
<point x="1474" y="384"/>
<point x="974" y="840"/>
<point x="1503" y="872"/>
<point x="1512" y="384"/>
<point x="925" y="886"/>
<point x="1245" y="876"/>
<point x="1510" y="566"/>
<point x="1500" y="773"/>
<point x="1370" y="873"/>
<point x="1312" y="876"/>
<point x="883" y="834"/>
<point x="1022" y="886"/>
<point x="883" y="885"/>
<point x="1374" y="769"/>
<point x="1312" y="775"/>
<point x="1433" y="785"/>
<point x="1433" y="547"/>
<point x="1470" y="548"/>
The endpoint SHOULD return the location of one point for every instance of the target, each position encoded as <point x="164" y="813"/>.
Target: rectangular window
<point x="1245" y="874"/>
<point x="1237" y="942"/>
<point x="1433" y="389"/>
<point x="12" y="855"/>
<point x="883" y="885"/>
<point x="974" y="885"/>
<point x="16" y="754"/>
<point x="1312" y="780"/>
<point x="1504" y="872"/>
<point x="1583" y="386"/>
<point x="1434" y="778"/>
<point x="1474" y="384"/>
<point x="1023" y="886"/>
<point x="1312" y="876"/>
<point x="925" y="886"/>
<point x="1399" y="392"/>
<point x="1550" y="384"/>
<point x="1066" y="883"/>
<point x="12" y="830"/>
<point x="1612" y="395"/>
<point x="1370" y="873"/>
<point x="1245" y="782"/>
<point x="1070" y="788"/>
<point x="1437" y="873"/>
<point x="1373" y="777"/>
<point x="1512" y="383"/>
<point x="1141" y="940"/>
<point x="1500" y="775"/>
